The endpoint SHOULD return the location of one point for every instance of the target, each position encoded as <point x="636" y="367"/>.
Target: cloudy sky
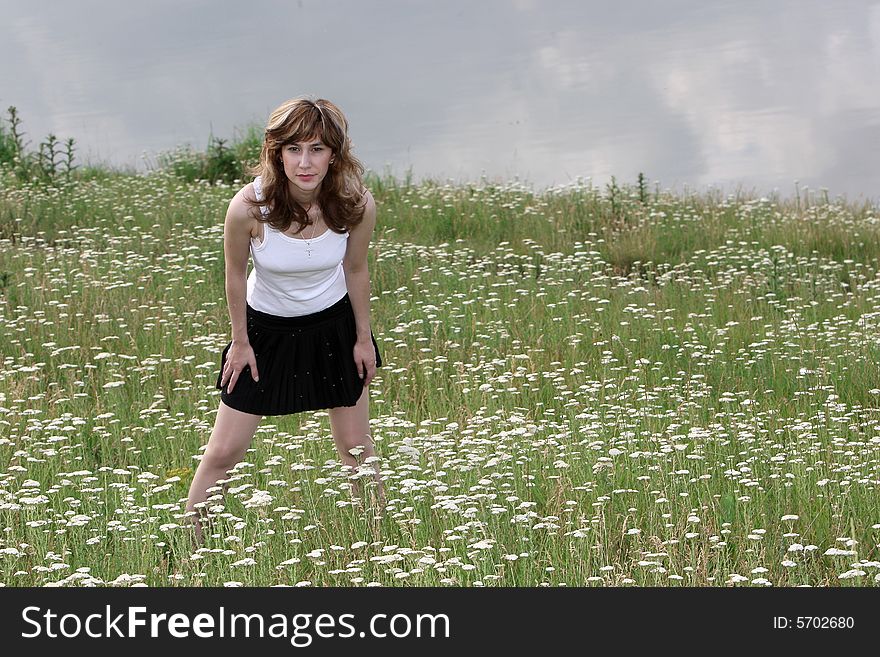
<point x="695" y="93"/>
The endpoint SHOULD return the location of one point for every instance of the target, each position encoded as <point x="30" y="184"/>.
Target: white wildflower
<point x="259" y="498"/>
<point x="850" y="574"/>
<point x="837" y="552"/>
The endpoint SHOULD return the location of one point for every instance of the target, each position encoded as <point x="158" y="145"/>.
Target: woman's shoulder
<point x="244" y="206"/>
<point x="247" y="196"/>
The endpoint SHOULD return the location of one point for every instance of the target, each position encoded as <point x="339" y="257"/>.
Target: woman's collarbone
<point x="312" y="231"/>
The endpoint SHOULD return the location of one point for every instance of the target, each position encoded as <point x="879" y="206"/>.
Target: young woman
<point x="301" y="336"/>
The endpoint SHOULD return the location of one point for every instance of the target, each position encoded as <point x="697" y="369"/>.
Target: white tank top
<point x="286" y="280"/>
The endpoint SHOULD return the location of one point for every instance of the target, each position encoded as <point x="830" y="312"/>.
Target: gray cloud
<point x="689" y="92"/>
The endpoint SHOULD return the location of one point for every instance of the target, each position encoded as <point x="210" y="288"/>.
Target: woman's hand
<point x="365" y="359"/>
<point x="240" y="355"/>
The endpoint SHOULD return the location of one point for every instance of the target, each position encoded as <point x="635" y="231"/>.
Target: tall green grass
<point x="583" y="386"/>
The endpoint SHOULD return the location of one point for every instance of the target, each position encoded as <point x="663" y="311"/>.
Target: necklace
<point x="308" y="240"/>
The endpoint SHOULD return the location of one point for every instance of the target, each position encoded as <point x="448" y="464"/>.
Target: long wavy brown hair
<point x="340" y="199"/>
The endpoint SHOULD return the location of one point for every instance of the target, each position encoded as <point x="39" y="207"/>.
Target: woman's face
<point x="306" y="163"/>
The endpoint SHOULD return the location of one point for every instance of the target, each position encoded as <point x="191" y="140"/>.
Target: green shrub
<point x="47" y="165"/>
<point x="220" y="162"/>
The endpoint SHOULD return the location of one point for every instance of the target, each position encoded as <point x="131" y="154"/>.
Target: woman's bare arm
<point x="236" y="249"/>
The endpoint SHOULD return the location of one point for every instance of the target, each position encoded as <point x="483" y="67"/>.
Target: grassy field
<point x="582" y="387"/>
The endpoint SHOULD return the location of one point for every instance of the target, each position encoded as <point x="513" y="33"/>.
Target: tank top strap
<point x="258" y="192"/>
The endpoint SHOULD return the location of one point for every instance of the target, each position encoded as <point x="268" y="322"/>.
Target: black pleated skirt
<point x="305" y="363"/>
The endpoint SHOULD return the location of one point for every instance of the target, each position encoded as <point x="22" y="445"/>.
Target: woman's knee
<point x="222" y="457"/>
<point x="232" y="435"/>
<point x="354" y="441"/>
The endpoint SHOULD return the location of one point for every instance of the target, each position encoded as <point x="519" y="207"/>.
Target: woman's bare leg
<point x="351" y="428"/>
<point x="229" y="442"/>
